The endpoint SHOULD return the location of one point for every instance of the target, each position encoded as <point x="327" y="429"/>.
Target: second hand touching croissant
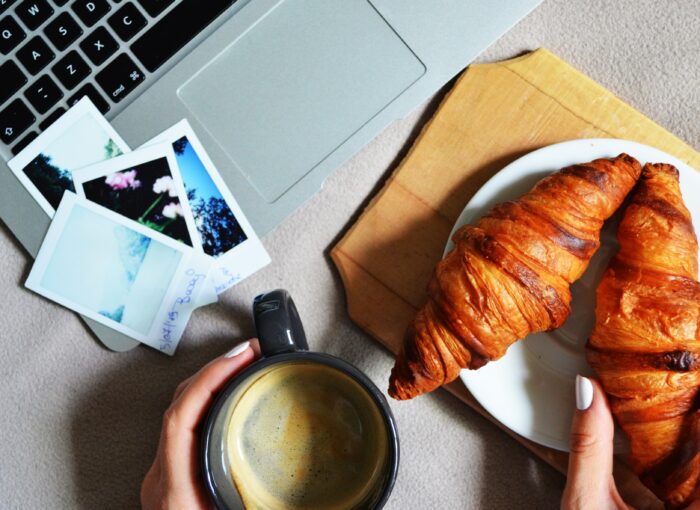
<point x="509" y="275"/>
<point x="646" y="343"/>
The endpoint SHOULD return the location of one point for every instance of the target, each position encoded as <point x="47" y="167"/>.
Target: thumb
<point x="589" y="480"/>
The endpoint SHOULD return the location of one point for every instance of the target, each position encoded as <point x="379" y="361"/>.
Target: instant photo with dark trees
<point x="50" y="180"/>
<point x="216" y="224"/>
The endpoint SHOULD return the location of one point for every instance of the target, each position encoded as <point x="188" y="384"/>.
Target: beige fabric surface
<point x="80" y="424"/>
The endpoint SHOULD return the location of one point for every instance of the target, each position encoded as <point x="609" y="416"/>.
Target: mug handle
<point x="278" y="323"/>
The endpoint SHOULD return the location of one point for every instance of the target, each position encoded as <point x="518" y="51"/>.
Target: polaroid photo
<point x="224" y="232"/>
<point x="119" y="273"/>
<point x="80" y="137"/>
<point x="144" y="186"/>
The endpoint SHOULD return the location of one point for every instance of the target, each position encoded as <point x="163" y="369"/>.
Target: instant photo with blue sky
<point x="223" y="230"/>
<point x="218" y="227"/>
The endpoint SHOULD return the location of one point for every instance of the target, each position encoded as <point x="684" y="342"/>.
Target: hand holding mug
<point x="298" y="429"/>
<point x="175" y="479"/>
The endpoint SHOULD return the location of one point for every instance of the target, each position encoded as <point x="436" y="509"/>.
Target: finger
<point x="589" y="476"/>
<point x="181" y="387"/>
<point x="592" y="428"/>
<point x="194" y="400"/>
<point x="255" y="345"/>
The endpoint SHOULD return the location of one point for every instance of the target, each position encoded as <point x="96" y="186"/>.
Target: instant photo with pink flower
<point x="123" y="180"/>
<point x="144" y="186"/>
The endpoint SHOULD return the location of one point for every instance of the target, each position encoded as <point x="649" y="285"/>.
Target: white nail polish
<point x="237" y="350"/>
<point x="584" y="393"/>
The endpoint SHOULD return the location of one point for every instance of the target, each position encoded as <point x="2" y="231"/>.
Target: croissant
<point x="646" y="342"/>
<point x="509" y="274"/>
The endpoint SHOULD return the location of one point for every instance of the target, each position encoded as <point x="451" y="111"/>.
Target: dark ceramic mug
<point x="282" y="341"/>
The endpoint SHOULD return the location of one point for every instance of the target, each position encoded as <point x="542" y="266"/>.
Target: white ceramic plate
<point x="531" y="389"/>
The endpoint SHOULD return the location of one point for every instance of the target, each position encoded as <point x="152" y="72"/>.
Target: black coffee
<point x="305" y="435"/>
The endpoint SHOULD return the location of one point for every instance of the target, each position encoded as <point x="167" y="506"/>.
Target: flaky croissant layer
<point x="645" y="346"/>
<point x="509" y="275"/>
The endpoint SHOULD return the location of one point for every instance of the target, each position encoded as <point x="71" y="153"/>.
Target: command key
<point x="120" y="77"/>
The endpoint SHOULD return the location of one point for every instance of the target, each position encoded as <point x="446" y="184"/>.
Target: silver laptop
<point x="280" y="92"/>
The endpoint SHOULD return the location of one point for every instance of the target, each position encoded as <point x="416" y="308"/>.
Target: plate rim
<point x="482" y="194"/>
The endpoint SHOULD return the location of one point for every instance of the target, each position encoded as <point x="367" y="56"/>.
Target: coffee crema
<point x="306" y="436"/>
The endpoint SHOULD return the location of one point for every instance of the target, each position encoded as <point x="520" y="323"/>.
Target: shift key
<point x="120" y="77"/>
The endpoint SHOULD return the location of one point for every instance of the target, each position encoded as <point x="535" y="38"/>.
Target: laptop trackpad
<point x="297" y="85"/>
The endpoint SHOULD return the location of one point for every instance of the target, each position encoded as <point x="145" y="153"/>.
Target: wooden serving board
<point x="494" y="114"/>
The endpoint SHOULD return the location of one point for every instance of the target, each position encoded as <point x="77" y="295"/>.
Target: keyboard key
<point x="119" y="78"/>
<point x="175" y="29"/>
<point x="5" y="4"/>
<point x="35" y="55"/>
<point x="24" y="142"/>
<point x="71" y="69"/>
<point x="99" y="46"/>
<point x="14" y="120"/>
<point x="60" y="3"/>
<point x="62" y="31"/>
<point x="33" y="13"/>
<point x="12" y="80"/>
<point x="127" y="21"/>
<point x="91" y="92"/>
<point x="90" y="11"/>
<point x="55" y="115"/>
<point x="155" y="7"/>
<point x="43" y="94"/>
<point x="10" y="34"/>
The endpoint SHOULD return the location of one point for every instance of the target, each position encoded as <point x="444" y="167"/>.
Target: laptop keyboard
<point x="54" y="52"/>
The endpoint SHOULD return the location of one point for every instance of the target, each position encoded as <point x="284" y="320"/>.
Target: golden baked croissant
<point x="509" y="274"/>
<point x="646" y="343"/>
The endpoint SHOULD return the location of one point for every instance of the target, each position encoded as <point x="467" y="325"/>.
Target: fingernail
<point x="237" y="350"/>
<point x="584" y="393"/>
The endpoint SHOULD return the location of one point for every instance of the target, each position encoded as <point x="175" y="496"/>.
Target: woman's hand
<point x="590" y="483"/>
<point x="175" y="480"/>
